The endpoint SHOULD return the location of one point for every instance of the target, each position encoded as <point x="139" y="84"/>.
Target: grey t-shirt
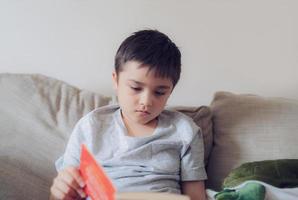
<point x="156" y="163"/>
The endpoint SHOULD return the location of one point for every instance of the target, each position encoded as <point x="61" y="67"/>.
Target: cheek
<point x="162" y="101"/>
<point x="122" y="90"/>
<point x="127" y="95"/>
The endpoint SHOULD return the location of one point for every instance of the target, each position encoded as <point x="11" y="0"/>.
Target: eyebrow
<point x="140" y="83"/>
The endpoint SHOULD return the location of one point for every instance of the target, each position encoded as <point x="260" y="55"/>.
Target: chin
<point x="143" y="122"/>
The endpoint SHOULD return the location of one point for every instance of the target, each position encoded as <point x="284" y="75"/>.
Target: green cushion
<point x="279" y="173"/>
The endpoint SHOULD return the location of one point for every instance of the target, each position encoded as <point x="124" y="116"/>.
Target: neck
<point x="137" y="130"/>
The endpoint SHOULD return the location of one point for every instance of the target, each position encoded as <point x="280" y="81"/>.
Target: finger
<point x="69" y="179"/>
<point x="66" y="189"/>
<point x="57" y="194"/>
<point x="60" y="193"/>
<point x="76" y="174"/>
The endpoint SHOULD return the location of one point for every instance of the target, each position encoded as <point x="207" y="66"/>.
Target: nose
<point x="146" y="99"/>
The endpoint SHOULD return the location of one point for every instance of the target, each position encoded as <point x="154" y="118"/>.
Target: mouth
<point x="143" y="112"/>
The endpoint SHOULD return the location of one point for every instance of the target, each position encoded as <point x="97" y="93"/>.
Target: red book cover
<point x="98" y="185"/>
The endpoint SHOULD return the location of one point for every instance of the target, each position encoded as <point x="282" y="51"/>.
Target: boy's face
<point x="141" y="95"/>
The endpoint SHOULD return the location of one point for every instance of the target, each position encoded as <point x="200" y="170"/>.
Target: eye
<point x="159" y="93"/>
<point x="135" y="88"/>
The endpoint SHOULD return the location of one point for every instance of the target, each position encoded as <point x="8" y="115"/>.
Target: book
<point x="98" y="185"/>
<point x="150" y="196"/>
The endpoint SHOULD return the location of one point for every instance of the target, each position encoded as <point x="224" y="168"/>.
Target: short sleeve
<point x="192" y="160"/>
<point x="71" y="156"/>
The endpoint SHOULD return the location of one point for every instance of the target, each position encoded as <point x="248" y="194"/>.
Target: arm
<point x="68" y="184"/>
<point x="194" y="189"/>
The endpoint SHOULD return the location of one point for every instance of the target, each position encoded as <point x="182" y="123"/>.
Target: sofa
<point x="39" y="112"/>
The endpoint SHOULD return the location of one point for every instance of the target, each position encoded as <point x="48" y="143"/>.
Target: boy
<point x="141" y="146"/>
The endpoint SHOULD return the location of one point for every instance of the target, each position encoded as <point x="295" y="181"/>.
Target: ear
<point x="115" y="80"/>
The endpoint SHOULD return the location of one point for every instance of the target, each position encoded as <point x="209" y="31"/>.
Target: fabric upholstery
<point x="37" y="116"/>
<point x="250" y="128"/>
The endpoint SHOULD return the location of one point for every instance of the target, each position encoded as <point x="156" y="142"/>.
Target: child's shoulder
<point x="173" y="114"/>
<point x="183" y="124"/>
<point x="178" y="118"/>
<point x="107" y="109"/>
<point x="101" y="113"/>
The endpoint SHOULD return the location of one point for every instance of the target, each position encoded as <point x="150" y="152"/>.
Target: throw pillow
<point x="281" y="173"/>
<point x="249" y="128"/>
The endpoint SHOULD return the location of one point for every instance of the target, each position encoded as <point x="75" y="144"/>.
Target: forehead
<point x="137" y="72"/>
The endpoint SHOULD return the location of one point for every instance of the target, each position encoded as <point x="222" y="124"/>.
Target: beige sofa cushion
<point x="37" y="116"/>
<point x="250" y="128"/>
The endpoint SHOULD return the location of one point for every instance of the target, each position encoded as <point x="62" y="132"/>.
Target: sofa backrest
<point x="250" y="128"/>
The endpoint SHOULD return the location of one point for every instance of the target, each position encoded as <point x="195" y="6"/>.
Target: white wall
<point x="235" y="45"/>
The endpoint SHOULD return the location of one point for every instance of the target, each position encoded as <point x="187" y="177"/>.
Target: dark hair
<point x="151" y="48"/>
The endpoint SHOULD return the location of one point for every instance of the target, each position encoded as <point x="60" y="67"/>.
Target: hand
<point x="68" y="185"/>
